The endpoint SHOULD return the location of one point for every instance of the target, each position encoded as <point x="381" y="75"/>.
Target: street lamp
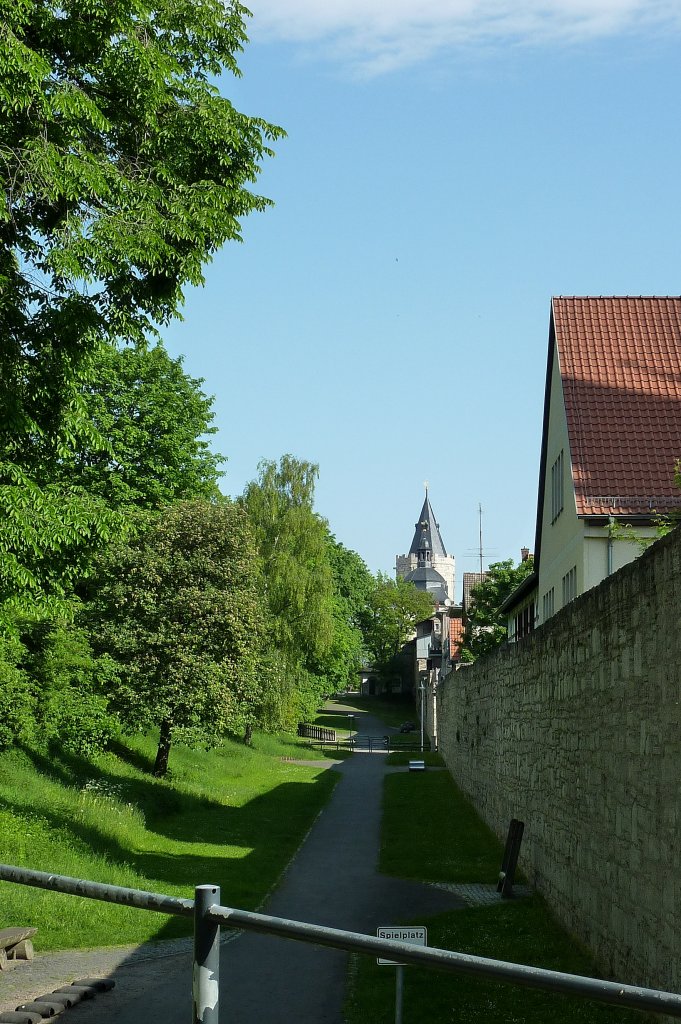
<point x="422" y="689"/>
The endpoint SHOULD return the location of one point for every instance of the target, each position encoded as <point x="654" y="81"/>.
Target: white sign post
<point x="416" y="935"/>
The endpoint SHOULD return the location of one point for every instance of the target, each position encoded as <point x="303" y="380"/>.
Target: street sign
<point x="417" y="935"/>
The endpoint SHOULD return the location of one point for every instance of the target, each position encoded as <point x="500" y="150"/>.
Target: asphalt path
<point x="331" y="881"/>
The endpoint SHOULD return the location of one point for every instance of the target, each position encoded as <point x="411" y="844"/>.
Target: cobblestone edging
<point x="477" y="894"/>
<point x="48" y="971"/>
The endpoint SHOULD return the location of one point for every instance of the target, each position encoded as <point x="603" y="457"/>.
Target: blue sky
<point x="442" y="178"/>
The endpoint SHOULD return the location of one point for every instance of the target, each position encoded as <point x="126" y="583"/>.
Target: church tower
<point x="428" y="544"/>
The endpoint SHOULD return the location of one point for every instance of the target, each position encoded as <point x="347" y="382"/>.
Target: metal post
<point x="399" y="991"/>
<point x="423" y="690"/>
<point x="206" y="975"/>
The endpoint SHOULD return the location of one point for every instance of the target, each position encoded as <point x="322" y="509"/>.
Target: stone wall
<point x="577" y="731"/>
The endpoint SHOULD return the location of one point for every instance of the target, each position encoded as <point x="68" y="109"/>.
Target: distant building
<point x="470" y="581"/>
<point x="436" y="646"/>
<point x="427" y="539"/>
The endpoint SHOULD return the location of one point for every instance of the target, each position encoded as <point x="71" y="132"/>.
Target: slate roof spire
<point x="427" y="528"/>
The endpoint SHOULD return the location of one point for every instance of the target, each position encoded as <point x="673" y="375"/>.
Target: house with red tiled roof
<point x="611" y="439"/>
<point x="456" y="632"/>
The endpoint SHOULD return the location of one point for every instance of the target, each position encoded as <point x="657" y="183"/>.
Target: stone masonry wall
<point x="577" y="731"/>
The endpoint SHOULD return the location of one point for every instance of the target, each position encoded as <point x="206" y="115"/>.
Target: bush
<point x="68" y="685"/>
<point x="80" y="721"/>
<point x="17" y="701"/>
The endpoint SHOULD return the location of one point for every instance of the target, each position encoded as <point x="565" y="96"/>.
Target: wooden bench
<point x="15" y="945"/>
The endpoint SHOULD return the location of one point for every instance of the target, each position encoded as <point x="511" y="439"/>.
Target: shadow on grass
<point x="391" y="710"/>
<point x="135" y="758"/>
<point x="268" y="829"/>
<point x="154" y="797"/>
<point x="330" y="720"/>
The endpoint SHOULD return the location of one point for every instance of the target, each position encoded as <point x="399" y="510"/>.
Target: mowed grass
<point x="233" y="816"/>
<point x="430" y="832"/>
<point x="401" y="758"/>
<point x="340" y="721"/>
<point x="392" y="710"/>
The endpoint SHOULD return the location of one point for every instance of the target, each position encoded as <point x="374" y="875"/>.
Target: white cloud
<point x="378" y="35"/>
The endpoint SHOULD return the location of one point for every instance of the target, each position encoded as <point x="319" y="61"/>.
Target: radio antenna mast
<point x="480" y="518"/>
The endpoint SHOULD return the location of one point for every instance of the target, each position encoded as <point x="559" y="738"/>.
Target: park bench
<point x="15" y="945"/>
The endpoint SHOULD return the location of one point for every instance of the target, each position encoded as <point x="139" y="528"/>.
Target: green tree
<point x="298" y="584"/>
<point x="47" y="539"/>
<point x="395" y="608"/>
<point x="486" y="625"/>
<point x="153" y="420"/>
<point x="69" y="685"/>
<point x="123" y="171"/>
<point x="178" y="610"/>
<point x="17" y="696"/>
<point x="352" y="586"/>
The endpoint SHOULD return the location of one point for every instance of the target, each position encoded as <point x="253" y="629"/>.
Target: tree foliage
<point x="395" y="607"/>
<point x="352" y="587"/>
<point x="53" y="687"/>
<point x="151" y="421"/>
<point x="146" y="447"/>
<point x="123" y="171"/>
<point x="291" y="540"/>
<point x="486" y="625"/>
<point x="178" y="610"/>
<point x="47" y="539"/>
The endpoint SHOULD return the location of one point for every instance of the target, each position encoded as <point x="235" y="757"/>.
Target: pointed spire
<point x="427" y="525"/>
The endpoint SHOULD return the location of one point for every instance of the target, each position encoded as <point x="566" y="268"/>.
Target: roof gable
<point x="620" y="366"/>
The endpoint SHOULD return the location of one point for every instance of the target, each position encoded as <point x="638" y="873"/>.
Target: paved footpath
<point x="332" y="881"/>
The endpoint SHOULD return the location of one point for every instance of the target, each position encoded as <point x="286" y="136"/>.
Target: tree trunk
<point x="163" y="752"/>
<point x="248" y="734"/>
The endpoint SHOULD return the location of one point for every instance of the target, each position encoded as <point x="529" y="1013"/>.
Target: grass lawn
<point x="431" y="832"/>
<point x="392" y="710"/>
<point x="232" y="816"/>
<point x="338" y="720"/>
<point x="401" y="758"/>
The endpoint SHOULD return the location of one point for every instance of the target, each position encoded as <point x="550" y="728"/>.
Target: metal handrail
<point x="209" y="916"/>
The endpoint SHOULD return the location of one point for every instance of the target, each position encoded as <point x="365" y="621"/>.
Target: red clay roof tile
<point x="456" y="632"/>
<point x="620" y="364"/>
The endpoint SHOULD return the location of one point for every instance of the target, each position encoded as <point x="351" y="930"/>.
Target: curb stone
<point x="56" y="1002"/>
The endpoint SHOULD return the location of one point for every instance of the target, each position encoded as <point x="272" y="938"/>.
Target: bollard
<point x="399" y="993"/>
<point x="206" y="973"/>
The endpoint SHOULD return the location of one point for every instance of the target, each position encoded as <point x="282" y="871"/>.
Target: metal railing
<point x="209" y="916"/>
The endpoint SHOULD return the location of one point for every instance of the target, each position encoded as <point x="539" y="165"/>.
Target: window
<point x="524" y="622"/>
<point x="547" y="605"/>
<point x="570" y="585"/>
<point x="557" y="488"/>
